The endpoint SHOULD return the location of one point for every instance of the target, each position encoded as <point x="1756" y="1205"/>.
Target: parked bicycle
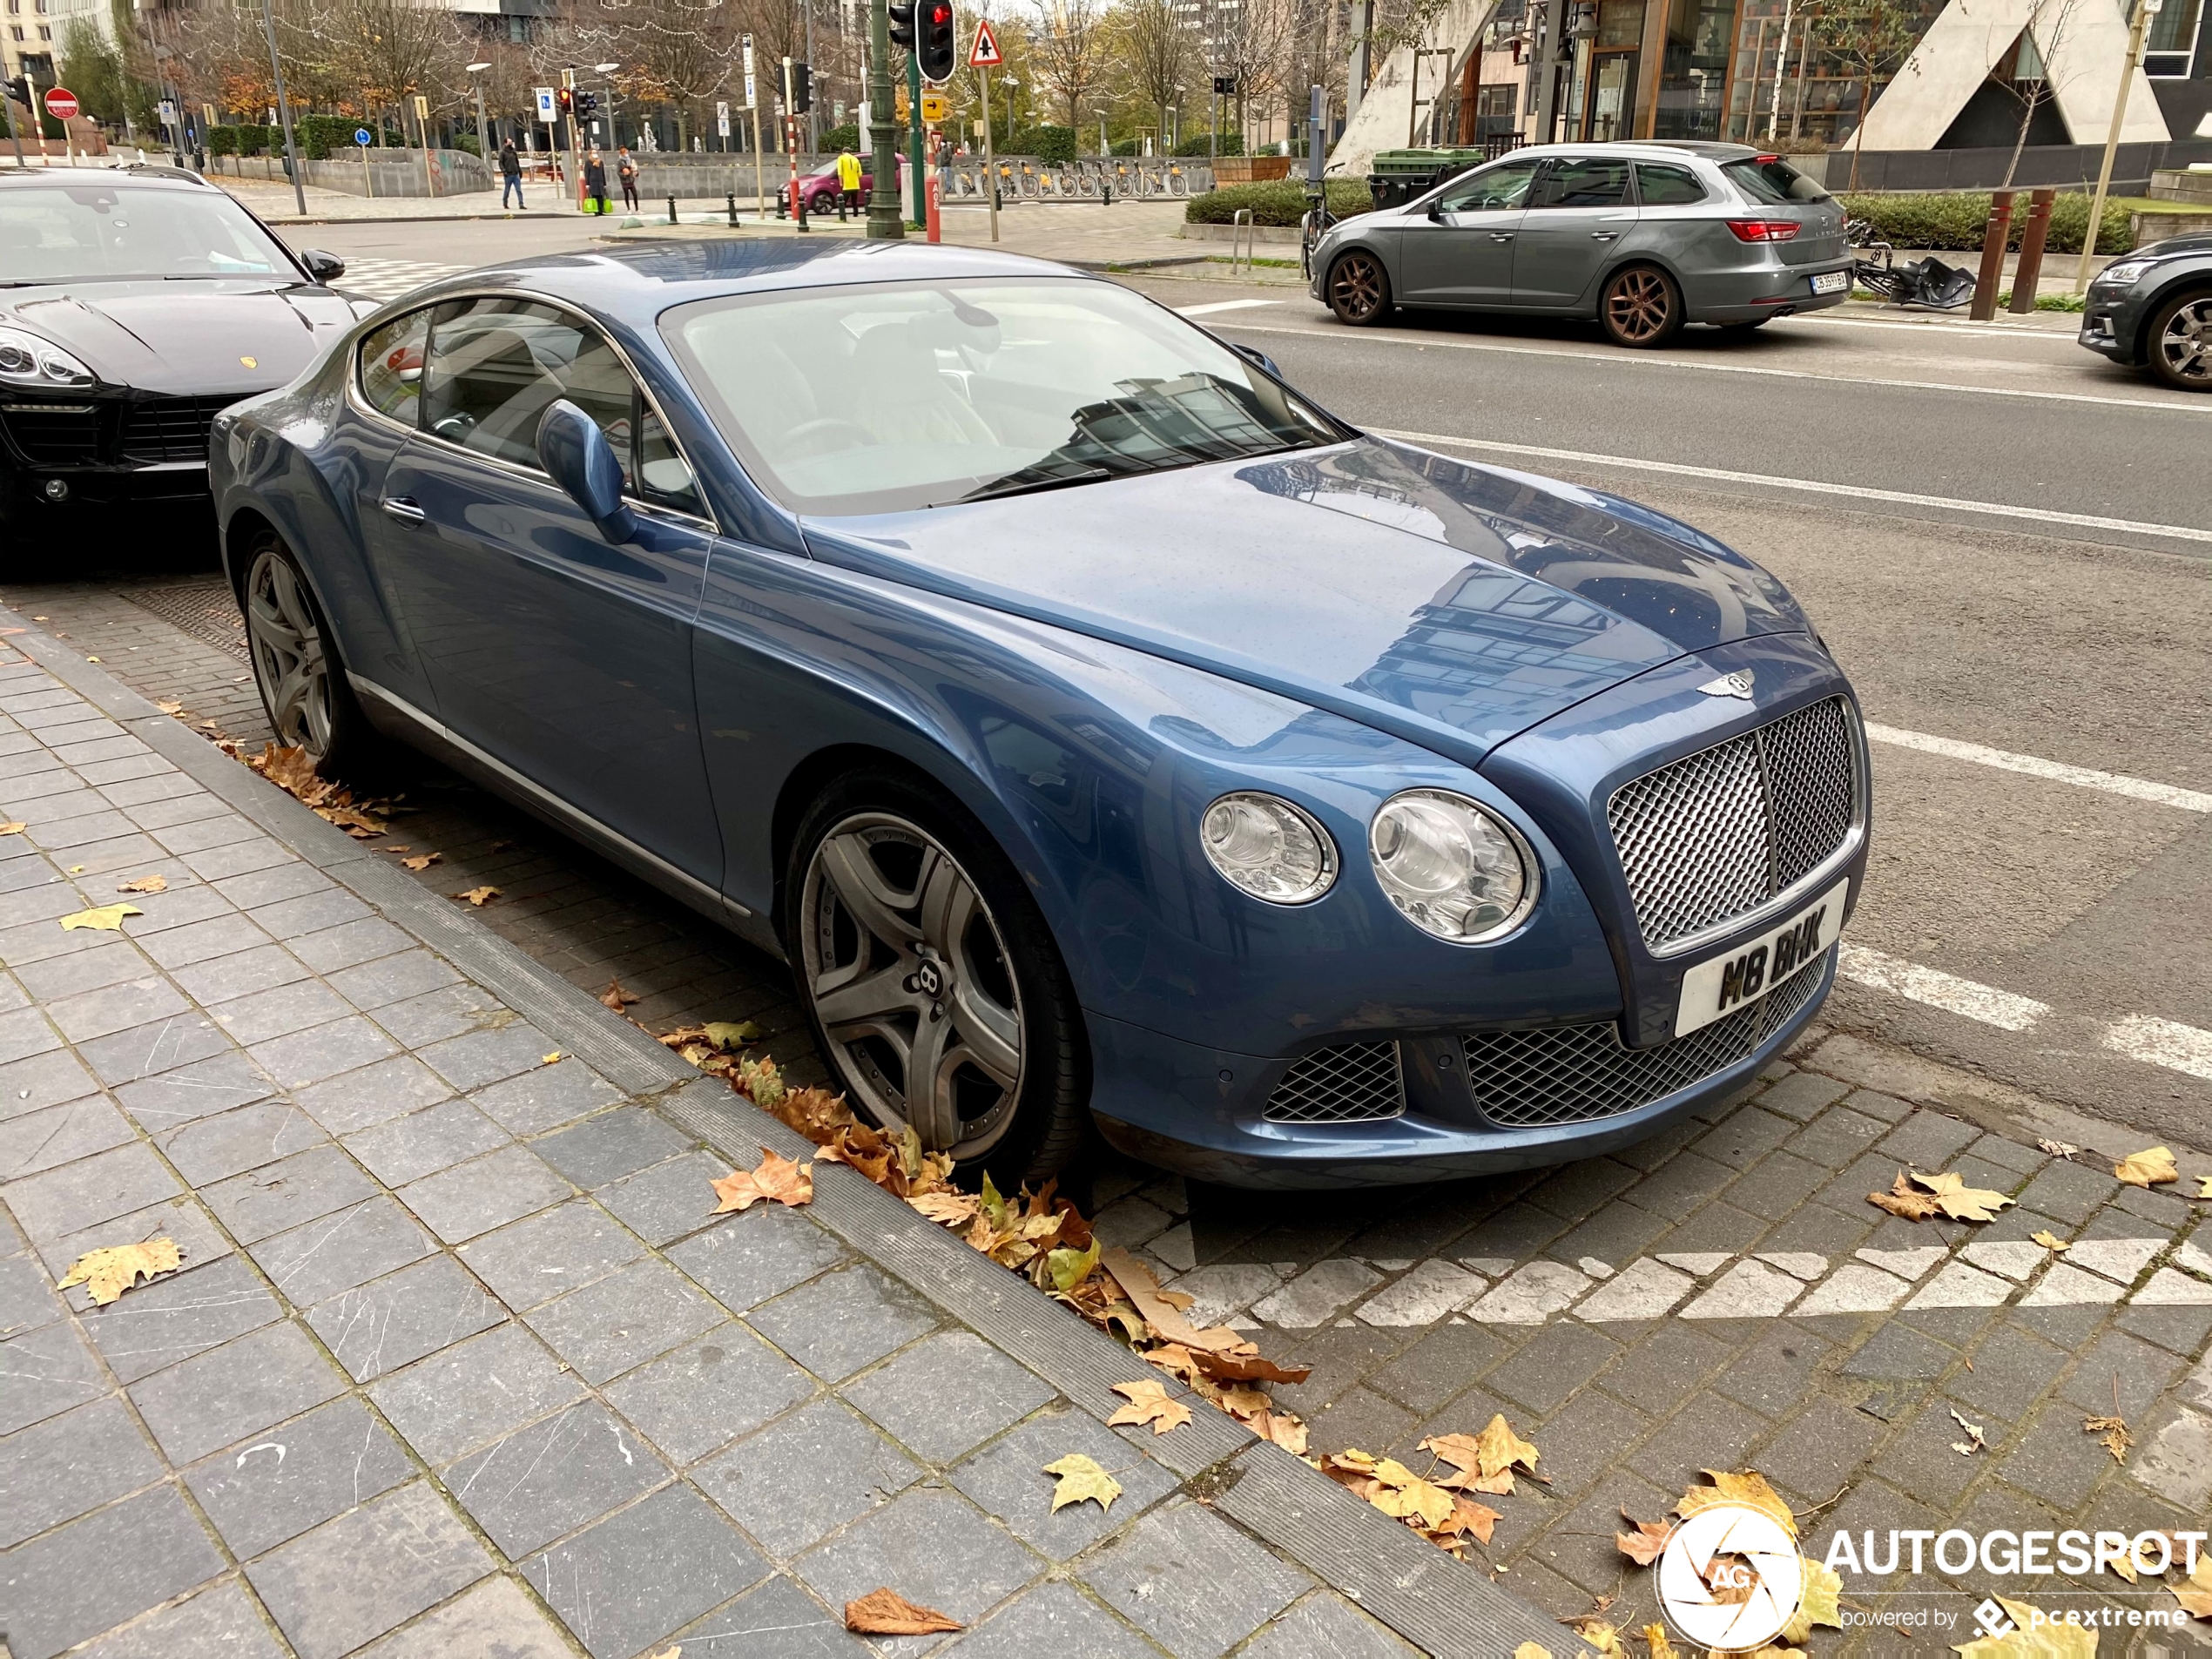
<point x="1927" y="282"/>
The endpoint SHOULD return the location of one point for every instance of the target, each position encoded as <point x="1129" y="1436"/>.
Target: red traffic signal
<point x="938" y="51"/>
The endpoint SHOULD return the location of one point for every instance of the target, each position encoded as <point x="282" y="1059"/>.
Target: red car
<point x="819" y="191"/>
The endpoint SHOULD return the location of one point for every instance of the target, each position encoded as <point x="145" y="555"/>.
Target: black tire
<point x="1641" y="308"/>
<point x="1359" y="289"/>
<point x="296" y="666"/>
<point x="950" y="980"/>
<point x="2178" y="343"/>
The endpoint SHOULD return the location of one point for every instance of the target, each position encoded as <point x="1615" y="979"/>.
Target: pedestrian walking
<point x="626" y="170"/>
<point x="594" y="181"/>
<point x="510" y="173"/>
<point x="848" y="179"/>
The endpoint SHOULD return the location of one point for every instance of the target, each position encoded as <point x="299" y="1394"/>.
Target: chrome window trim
<point x="357" y="400"/>
<point x="1804" y="887"/>
<point x="537" y="792"/>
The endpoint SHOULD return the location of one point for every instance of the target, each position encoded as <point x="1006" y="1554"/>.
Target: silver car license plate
<point x="1718" y="988"/>
<point x="1831" y="282"/>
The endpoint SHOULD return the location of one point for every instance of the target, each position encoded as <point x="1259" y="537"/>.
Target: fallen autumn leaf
<point x="1080" y="1478"/>
<point x="1148" y="1403"/>
<point x="479" y="896"/>
<point x="2048" y="1239"/>
<point x="16" y="827"/>
<point x="423" y="861"/>
<point x="1644" y="1544"/>
<point x="615" y="997"/>
<point x="106" y="1273"/>
<point x="106" y="918"/>
<point x="1746" y="1486"/>
<point x="146" y="884"/>
<point x="2151" y="1167"/>
<point x="779" y="1178"/>
<point x="886" y="1613"/>
<point x="2115" y="1437"/>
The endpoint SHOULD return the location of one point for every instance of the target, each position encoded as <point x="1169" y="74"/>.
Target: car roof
<point x="1673" y="149"/>
<point x="639" y="281"/>
<point x="139" y="175"/>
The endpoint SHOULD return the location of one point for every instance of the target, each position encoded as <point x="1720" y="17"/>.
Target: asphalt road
<point x="2050" y="641"/>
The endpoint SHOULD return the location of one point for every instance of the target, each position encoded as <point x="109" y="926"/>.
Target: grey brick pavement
<point x="460" y="1363"/>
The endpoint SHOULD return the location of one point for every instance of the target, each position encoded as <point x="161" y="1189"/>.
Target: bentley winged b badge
<point x="1736" y="684"/>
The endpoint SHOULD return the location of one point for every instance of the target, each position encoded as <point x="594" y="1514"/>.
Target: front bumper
<point x="1202" y="1111"/>
<point x="2109" y="327"/>
<point x="104" y="447"/>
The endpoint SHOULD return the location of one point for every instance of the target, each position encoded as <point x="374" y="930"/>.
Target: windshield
<point x="888" y="396"/>
<point x="80" y="232"/>
<point x="1770" y="178"/>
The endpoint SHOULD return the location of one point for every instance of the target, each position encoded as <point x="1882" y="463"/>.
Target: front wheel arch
<point x="2196" y="286"/>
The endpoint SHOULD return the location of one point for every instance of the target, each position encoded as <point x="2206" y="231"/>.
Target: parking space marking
<point x="1222" y="305"/>
<point x="2162" y="1042"/>
<point x="1645" y="360"/>
<point x="1811" y="486"/>
<point x="388" y="279"/>
<point x="1938" y="989"/>
<point x="2189" y="800"/>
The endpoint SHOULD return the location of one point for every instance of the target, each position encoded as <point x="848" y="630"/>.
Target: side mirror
<point x="324" y="267"/>
<point x="577" y="455"/>
<point x="1253" y="354"/>
<point x="1436" y="210"/>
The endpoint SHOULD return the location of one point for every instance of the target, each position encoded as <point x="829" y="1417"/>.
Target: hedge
<point x="1956" y="219"/>
<point x="1055" y="146"/>
<point x="1226" y="144"/>
<point x="844" y="138"/>
<point x="1280" y="203"/>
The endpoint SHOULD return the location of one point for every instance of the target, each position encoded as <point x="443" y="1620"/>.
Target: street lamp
<point x="483" y="132"/>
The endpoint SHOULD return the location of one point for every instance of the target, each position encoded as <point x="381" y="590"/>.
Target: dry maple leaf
<point x="1532" y="1651"/>
<point x="423" y="861"/>
<point x="478" y="896"/>
<point x="104" y="918"/>
<point x="615" y="997"/>
<point x="1654" y="1637"/>
<point x="2151" y="1167"/>
<point x="1148" y="1403"/>
<point x="1644" y="1544"/>
<point x="2195" y="1592"/>
<point x="1247" y="1367"/>
<point x="2048" y="1239"/>
<point x="815" y="1112"/>
<point x="2059" y="1148"/>
<point x="168" y="707"/>
<point x="1973" y="1433"/>
<point x="886" y="1613"/>
<point x="777" y="1178"/>
<point x="1498" y="1449"/>
<point x="14" y="826"/>
<point x="2116" y="1439"/>
<point x="1164" y="1317"/>
<point x="106" y="1273"/>
<point x="1745" y="1486"/>
<point x="1904" y="1200"/>
<point x="946" y="1209"/>
<point x="1958" y="1200"/>
<point x="1080" y="1479"/>
<point x="553" y="1059"/>
<point x="1819" y="1602"/>
<point x="146" y="884"/>
<point x="1595" y="1631"/>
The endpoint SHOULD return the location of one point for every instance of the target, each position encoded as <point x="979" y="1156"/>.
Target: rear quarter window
<point x="1770" y="178"/>
<point x="1660" y="186"/>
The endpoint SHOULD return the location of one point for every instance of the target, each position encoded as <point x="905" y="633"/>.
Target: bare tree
<point x="2042" y="38"/>
<point x="1068" y="51"/>
<point x="1871" y="37"/>
<point x="1152" y="49"/>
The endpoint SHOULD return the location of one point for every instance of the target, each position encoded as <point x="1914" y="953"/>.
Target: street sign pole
<point x="284" y="110"/>
<point x="914" y="135"/>
<point x="752" y="105"/>
<point x="983" y="56"/>
<point x="14" y="137"/>
<point x="2145" y="9"/>
<point x="885" y="222"/>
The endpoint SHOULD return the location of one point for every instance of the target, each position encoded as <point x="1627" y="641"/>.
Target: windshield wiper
<point x="1015" y="484"/>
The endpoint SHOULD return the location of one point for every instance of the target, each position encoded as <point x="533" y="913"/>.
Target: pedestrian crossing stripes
<point x="390" y="278"/>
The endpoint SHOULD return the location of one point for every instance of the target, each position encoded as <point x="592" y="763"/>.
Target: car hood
<point x="1452" y="604"/>
<point x="2197" y="242"/>
<point x="189" y="337"/>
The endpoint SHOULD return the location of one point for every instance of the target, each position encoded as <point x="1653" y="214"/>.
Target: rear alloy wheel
<point x="1359" y="289"/>
<point x="934" y="986"/>
<point x="1640" y="307"/>
<point x="2180" y="343"/>
<point x="302" y="683"/>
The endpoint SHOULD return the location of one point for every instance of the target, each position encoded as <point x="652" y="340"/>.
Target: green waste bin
<point x="1402" y="175"/>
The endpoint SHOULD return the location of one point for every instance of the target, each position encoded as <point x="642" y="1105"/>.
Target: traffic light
<point x="19" y="89"/>
<point x="1224" y="84"/>
<point x="802" y="88"/>
<point x="587" y="105"/>
<point x="902" y="25"/>
<point x="565" y="99"/>
<point x="937" y="46"/>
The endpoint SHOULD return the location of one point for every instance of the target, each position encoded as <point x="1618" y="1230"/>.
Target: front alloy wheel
<point x="288" y="658"/>
<point x="1359" y="289"/>
<point x="1640" y="307"/>
<point x="2180" y="349"/>
<point x="911" y="981"/>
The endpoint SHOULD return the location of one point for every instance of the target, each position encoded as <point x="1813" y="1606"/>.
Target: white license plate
<point x="1718" y="988"/>
<point x="1831" y="282"/>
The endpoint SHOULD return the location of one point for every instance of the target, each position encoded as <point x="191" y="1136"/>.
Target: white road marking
<point x="1865" y="966"/>
<point x="1222" y="305"/>
<point x="390" y="278"/>
<point x="2162" y="1042"/>
<point x="2189" y="800"/>
<point x="1641" y="360"/>
<point x="1999" y="329"/>
<point x="1813" y="486"/>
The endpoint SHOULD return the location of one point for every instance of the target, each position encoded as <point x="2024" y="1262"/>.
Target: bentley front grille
<point x="1350" y="1082"/>
<point x="1717" y="834"/>
<point x="1569" y="1074"/>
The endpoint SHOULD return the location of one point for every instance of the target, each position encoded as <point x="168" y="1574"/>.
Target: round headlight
<point x="1456" y="871"/>
<point x="1268" y="848"/>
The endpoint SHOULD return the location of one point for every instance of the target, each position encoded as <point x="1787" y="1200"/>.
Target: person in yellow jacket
<point x="848" y="179"/>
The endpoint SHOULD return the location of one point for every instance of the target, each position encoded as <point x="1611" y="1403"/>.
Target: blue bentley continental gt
<point x="1102" y="731"/>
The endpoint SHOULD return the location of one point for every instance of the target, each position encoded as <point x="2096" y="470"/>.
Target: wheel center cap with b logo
<point x="930" y="978"/>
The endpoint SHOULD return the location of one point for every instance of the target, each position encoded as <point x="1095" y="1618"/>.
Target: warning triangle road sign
<point x="984" y="54"/>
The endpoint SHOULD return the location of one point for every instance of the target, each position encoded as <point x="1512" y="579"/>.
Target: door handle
<point x="1501" y="236"/>
<point x="404" y="508"/>
<point x="1603" y="236"/>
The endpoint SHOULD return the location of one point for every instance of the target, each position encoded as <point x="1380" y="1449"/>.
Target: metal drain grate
<point x="207" y="610"/>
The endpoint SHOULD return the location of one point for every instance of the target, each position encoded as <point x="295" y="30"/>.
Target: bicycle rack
<point x="1242" y="222"/>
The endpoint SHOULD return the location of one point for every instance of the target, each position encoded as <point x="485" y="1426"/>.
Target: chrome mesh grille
<point x="1569" y="1074"/>
<point x="1718" y="832"/>
<point x="1351" y="1083"/>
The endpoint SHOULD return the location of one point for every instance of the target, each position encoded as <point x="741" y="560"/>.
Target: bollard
<point x="840" y="207"/>
<point x="930" y="210"/>
<point x="783" y="204"/>
<point x="671" y="210"/>
<point x="2029" y="274"/>
<point x="799" y="206"/>
<point x="1994" y="237"/>
<point x="1106" y="194"/>
<point x="733" y="200"/>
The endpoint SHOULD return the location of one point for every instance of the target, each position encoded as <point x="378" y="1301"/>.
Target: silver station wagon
<point x="1643" y="237"/>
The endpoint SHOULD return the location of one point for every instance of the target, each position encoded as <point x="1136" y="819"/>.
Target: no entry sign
<point x="61" y="103"/>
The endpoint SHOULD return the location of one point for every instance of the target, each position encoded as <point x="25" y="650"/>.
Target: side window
<point x="595" y="381"/>
<point x="496" y="366"/>
<point x="662" y="476"/>
<point x="391" y="367"/>
<point x="1502" y="186"/>
<point x="1667" y="186"/>
<point x="1584" y="181"/>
